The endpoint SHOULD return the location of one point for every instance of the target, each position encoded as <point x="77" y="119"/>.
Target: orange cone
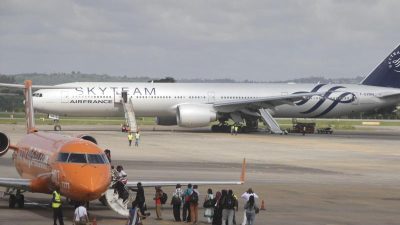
<point x="94" y="221"/>
<point x="262" y="205"/>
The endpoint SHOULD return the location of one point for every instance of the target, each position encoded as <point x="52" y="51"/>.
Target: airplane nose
<point x="87" y="182"/>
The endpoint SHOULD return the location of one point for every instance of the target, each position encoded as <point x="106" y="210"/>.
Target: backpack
<point x="229" y="202"/>
<point x="164" y="198"/>
<point x="194" y="197"/>
<point x="175" y="200"/>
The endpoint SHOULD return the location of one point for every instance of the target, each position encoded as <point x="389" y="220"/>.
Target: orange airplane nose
<point x="87" y="181"/>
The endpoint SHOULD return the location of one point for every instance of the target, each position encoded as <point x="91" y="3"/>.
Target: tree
<point x="165" y="80"/>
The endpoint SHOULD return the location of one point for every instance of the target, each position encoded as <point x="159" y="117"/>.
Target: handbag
<point x="208" y="204"/>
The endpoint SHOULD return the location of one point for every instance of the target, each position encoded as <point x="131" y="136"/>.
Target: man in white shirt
<point x="80" y="215"/>
<point x="246" y="197"/>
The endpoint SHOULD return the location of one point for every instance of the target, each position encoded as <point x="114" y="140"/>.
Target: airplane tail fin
<point x="29" y="115"/>
<point x="387" y="74"/>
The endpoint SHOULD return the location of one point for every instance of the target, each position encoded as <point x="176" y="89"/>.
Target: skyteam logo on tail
<point x="394" y="61"/>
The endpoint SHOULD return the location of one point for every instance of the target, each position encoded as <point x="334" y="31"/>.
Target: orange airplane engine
<point x="77" y="166"/>
<point x="4" y="144"/>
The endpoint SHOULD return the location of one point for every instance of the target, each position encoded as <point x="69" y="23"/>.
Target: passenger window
<point x="77" y="158"/>
<point x="63" y="157"/>
<point x="95" y="158"/>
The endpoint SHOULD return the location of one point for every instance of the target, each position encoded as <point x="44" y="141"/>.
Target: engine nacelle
<point x="88" y="138"/>
<point x="4" y="144"/>
<point x="166" y="121"/>
<point x="195" y="115"/>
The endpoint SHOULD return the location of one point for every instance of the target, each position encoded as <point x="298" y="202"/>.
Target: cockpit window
<point x="95" y="158"/>
<point x="105" y="159"/>
<point x="63" y="157"/>
<point x="77" y="158"/>
<point x="82" y="158"/>
<point x="37" y="95"/>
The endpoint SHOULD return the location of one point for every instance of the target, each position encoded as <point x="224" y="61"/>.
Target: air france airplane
<point x="196" y="105"/>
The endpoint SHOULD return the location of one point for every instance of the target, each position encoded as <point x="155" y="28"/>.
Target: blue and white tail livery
<point x="387" y="74"/>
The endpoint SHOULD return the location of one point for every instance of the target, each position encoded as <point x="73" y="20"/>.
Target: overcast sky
<point x="254" y="40"/>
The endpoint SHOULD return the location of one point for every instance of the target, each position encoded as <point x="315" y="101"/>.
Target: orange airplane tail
<point x="29" y="115"/>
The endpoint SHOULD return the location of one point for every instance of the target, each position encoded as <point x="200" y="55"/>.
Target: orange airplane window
<point x="63" y="157"/>
<point x="77" y="158"/>
<point x="95" y="158"/>
<point x="105" y="159"/>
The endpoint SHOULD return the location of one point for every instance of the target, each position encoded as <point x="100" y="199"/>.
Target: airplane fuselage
<point x="161" y="99"/>
<point x="39" y="159"/>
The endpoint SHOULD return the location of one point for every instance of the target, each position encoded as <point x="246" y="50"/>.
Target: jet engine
<point x="195" y="115"/>
<point x="88" y="138"/>
<point x="166" y="120"/>
<point x="4" y="144"/>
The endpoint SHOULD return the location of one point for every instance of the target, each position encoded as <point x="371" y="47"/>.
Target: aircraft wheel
<point x="57" y="127"/>
<point x="20" y="199"/>
<point x="12" y="201"/>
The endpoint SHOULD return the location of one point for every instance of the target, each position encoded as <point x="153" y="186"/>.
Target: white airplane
<point x="196" y="105"/>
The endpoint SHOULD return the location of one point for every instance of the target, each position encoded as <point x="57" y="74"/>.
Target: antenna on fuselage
<point x="29" y="115"/>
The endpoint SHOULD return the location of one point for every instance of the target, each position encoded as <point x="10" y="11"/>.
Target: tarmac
<point x="350" y="177"/>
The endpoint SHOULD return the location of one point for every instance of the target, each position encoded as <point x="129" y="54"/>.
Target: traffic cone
<point x="94" y="221"/>
<point x="262" y="205"/>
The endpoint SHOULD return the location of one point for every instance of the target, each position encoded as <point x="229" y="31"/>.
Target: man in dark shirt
<point x="140" y="199"/>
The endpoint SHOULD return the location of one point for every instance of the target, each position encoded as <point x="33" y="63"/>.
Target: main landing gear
<point x="56" y="121"/>
<point x="16" y="199"/>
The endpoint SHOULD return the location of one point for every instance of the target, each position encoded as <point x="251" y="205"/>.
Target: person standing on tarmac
<point x="130" y="138"/>
<point x="56" y="205"/>
<point x="228" y="208"/>
<point x="186" y="204"/>
<point x="194" y="205"/>
<point x="157" y="199"/>
<point x="246" y="197"/>
<point x="108" y="154"/>
<point x="140" y="199"/>
<point x="176" y="202"/>
<point x="209" y="205"/>
<point x="80" y="215"/>
<point x="137" y="138"/>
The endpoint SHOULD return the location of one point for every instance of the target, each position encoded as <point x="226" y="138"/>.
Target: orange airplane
<point x="74" y="164"/>
<point x="46" y="160"/>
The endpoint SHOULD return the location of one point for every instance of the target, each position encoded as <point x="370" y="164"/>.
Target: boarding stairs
<point x="270" y="121"/>
<point x="130" y="117"/>
<point x="117" y="204"/>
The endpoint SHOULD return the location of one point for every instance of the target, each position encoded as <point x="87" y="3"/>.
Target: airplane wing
<point x="133" y="184"/>
<point x="18" y="183"/>
<point x="257" y="103"/>
<point x="36" y="86"/>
